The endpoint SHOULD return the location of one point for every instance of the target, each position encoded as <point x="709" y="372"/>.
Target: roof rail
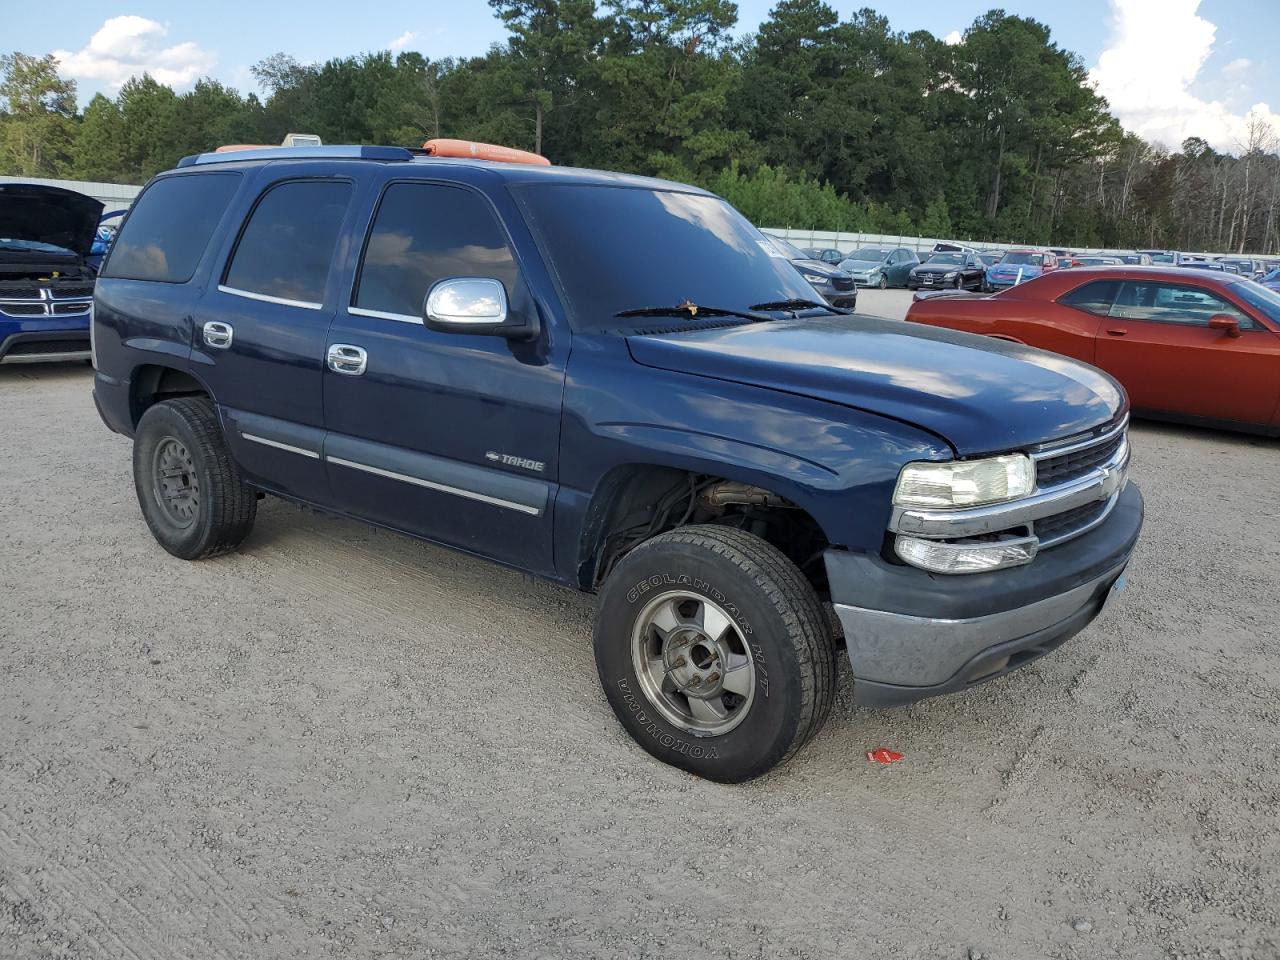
<point x="336" y="152"/>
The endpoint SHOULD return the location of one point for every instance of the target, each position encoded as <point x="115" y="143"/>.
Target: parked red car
<point x="1188" y="345"/>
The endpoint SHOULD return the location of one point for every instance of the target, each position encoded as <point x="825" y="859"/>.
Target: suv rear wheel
<point x="714" y="652"/>
<point x="189" y="488"/>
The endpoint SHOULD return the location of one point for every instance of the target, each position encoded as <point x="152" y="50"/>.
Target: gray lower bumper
<point x="899" y="649"/>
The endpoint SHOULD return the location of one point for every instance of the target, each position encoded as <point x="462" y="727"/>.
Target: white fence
<point x="114" y="196"/>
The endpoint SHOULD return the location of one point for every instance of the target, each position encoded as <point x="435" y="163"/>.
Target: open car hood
<point x="34" y="211"/>
<point x="981" y="395"/>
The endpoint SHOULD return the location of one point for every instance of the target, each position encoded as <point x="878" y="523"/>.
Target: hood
<point x="64" y="218"/>
<point x="861" y="266"/>
<point x="1011" y="269"/>
<point x="981" y="395"/>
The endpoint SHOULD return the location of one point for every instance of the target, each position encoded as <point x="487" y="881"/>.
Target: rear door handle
<point x="218" y="334"/>
<point x="347" y="359"/>
<point x="1111" y="332"/>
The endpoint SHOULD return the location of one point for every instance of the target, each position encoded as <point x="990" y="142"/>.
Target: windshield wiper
<point x="799" y="304"/>
<point x="694" y="311"/>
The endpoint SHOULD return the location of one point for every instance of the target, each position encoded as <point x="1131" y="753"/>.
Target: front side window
<point x="424" y="233"/>
<point x="287" y="245"/>
<point x="1173" y="303"/>
<point x="169" y="227"/>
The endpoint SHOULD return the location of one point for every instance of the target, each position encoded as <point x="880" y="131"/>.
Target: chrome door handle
<point x="346" y="359"/>
<point x="218" y="334"/>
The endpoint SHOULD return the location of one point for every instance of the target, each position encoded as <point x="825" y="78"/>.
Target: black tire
<point x="775" y="615"/>
<point x="220" y="506"/>
<point x="884" y="282"/>
<point x="959" y="283"/>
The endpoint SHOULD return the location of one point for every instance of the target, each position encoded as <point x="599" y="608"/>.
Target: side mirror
<point x="1226" y="323"/>
<point x="475" y="305"/>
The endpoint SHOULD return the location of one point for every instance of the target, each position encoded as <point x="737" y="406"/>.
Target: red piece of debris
<point x="884" y="755"/>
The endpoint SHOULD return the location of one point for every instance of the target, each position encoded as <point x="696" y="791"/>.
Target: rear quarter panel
<point x="1036" y="322"/>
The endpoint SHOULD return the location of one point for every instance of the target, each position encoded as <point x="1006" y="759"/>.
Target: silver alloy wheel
<point x="693" y="665"/>
<point x="174" y="482"/>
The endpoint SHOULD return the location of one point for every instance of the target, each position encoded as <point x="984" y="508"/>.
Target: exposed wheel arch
<point x="153" y="382"/>
<point x="635" y="502"/>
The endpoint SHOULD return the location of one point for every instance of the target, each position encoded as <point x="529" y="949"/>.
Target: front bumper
<point x="40" y="339"/>
<point x="911" y="634"/>
<point x="845" y="299"/>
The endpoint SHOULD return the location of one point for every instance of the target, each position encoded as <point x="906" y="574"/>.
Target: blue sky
<point x="1169" y="67"/>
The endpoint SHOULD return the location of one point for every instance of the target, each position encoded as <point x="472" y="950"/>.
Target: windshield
<point x="787" y="250"/>
<point x="1272" y="277"/>
<point x="947" y="259"/>
<point x="871" y="255"/>
<point x="675" y="247"/>
<point x="1024" y="259"/>
<point x="33" y="246"/>
<point x="1265" y="300"/>
<point x="1162" y="258"/>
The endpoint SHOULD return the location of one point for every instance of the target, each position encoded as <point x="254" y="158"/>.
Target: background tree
<point x="38" y="109"/>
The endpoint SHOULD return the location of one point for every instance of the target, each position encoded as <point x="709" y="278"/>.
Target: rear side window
<point x="1095" y="297"/>
<point x="169" y="227"/>
<point x="424" y="233"/>
<point x="287" y="245"/>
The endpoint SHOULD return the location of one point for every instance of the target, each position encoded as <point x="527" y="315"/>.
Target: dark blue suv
<point x="613" y="383"/>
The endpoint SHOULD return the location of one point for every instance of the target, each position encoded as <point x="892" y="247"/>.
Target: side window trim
<point x="267" y="298"/>
<point x="383" y="314"/>
<point x="356" y="311"/>
<point x="224" y="287"/>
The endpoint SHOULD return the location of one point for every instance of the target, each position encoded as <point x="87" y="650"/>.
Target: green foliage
<point x="813" y="122"/>
<point x="38" y="111"/>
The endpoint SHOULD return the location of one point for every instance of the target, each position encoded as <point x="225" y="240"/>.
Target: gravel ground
<point x="342" y="743"/>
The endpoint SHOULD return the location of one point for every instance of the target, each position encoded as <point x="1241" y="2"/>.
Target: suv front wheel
<point x="714" y="652"/>
<point x="189" y="488"/>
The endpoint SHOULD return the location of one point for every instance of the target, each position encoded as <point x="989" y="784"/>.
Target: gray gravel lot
<point x="343" y="743"/>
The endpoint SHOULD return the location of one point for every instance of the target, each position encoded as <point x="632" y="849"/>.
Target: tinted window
<point x="1095" y="297"/>
<point x="170" y="226"/>
<point x="950" y="259"/>
<point x="675" y="247"/>
<point x="425" y="232"/>
<point x="288" y="243"/>
<point x="1173" y="303"/>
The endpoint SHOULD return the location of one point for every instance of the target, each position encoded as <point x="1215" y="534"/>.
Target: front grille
<point x="71" y="306"/>
<point x="71" y="291"/>
<point x="1052" y="471"/>
<point x="1065" y="524"/>
<point x="22" y="309"/>
<point x="842" y="283"/>
<point x="26" y="348"/>
<point x="18" y="291"/>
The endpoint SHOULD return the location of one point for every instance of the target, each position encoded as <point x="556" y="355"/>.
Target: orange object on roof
<point x="471" y="150"/>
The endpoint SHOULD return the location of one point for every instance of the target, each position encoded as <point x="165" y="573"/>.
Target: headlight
<point x="814" y="278"/>
<point x="965" y="483"/>
<point x="950" y="274"/>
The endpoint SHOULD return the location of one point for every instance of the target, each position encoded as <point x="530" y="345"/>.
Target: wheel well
<point x="152" y="383"/>
<point x="635" y="502"/>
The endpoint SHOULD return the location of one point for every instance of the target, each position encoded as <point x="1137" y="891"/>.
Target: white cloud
<point x="130" y="46"/>
<point x="1236" y="67"/>
<point x="952" y="38"/>
<point x="402" y="41"/>
<point x="1156" y="51"/>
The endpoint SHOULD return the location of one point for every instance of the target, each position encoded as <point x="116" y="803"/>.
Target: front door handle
<point x="345" y="359"/>
<point x="1113" y="332"/>
<point x="218" y="334"/>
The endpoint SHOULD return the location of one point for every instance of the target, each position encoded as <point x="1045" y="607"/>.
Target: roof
<point x="415" y="161"/>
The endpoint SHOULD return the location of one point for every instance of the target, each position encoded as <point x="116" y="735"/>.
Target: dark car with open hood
<point x="753" y="481"/>
<point x="46" y="283"/>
